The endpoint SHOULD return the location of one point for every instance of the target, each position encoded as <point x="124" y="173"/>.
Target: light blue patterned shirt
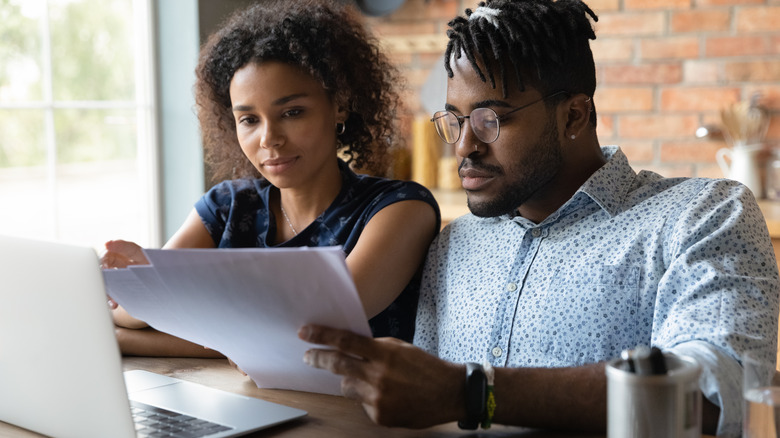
<point x="685" y="264"/>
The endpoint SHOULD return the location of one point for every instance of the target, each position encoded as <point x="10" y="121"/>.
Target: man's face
<point x="500" y="176"/>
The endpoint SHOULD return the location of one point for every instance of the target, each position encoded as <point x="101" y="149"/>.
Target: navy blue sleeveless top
<point x="236" y="214"/>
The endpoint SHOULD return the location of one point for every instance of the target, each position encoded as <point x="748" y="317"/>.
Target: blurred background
<point x="99" y="140"/>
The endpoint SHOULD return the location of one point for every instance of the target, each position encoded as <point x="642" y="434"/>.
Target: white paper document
<point x="248" y="304"/>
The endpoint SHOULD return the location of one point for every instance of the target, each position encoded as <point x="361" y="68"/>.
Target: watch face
<point x="378" y="7"/>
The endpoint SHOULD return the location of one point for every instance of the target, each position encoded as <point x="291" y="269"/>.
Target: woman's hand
<point x="121" y="254"/>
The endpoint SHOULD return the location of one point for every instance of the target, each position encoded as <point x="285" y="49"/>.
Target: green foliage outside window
<point x="92" y="67"/>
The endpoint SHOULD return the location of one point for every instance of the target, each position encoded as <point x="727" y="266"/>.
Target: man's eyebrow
<point x="481" y="104"/>
<point x="491" y="102"/>
<point x="277" y="102"/>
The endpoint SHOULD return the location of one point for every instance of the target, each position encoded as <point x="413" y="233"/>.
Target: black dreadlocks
<point x="545" y="42"/>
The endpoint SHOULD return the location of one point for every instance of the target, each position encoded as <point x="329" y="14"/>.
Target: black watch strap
<point x="476" y="387"/>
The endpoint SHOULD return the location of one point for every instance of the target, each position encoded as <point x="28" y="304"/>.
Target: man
<point x="569" y="256"/>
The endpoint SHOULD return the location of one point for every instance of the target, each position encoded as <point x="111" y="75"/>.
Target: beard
<point x="540" y="165"/>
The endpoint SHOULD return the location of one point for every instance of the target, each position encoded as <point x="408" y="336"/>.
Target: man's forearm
<point x="563" y="399"/>
<point x="552" y="398"/>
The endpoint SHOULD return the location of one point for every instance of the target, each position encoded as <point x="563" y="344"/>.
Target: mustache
<point x="478" y="165"/>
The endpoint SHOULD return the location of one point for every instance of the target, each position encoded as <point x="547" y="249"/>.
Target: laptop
<point x="61" y="369"/>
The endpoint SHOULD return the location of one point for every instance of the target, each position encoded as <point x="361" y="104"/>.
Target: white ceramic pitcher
<point x="743" y="163"/>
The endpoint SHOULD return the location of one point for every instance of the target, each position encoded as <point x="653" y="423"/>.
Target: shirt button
<point x="511" y="287"/>
<point x="497" y="351"/>
<point x="536" y="232"/>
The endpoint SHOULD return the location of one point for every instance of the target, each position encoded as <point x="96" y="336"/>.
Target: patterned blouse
<point x="236" y="214"/>
<point x="685" y="264"/>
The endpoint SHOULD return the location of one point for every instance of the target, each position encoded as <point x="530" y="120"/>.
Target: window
<point x="77" y="132"/>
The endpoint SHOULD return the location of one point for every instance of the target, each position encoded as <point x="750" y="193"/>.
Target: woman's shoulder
<point x="392" y="187"/>
<point x="233" y="189"/>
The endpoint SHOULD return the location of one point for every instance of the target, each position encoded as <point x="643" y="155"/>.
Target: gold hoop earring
<point x="341" y="128"/>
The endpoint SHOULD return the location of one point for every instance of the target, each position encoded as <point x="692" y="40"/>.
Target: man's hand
<point x="397" y="383"/>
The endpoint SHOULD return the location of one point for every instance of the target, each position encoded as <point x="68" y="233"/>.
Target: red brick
<point x="739" y="46"/>
<point x="702" y="72"/>
<point x="697" y="99"/>
<point x="708" y="171"/>
<point x="441" y="9"/>
<point x="753" y="71"/>
<point x="638" y="152"/>
<point x="657" y="126"/>
<point x="631" y="24"/>
<point x="657" y="4"/>
<point x="756" y="19"/>
<point x="690" y="151"/>
<point x="612" y="49"/>
<point x="600" y="6"/>
<point x="421" y="10"/>
<point x="770" y="94"/>
<point x="400" y="60"/>
<point x="673" y="170"/>
<point x="430" y="60"/>
<point x="669" y="48"/>
<point x="611" y="99"/>
<point x="701" y="3"/>
<point x="700" y="20"/>
<point x="773" y="133"/>
<point x="713" y="118"/>
<point x="405" y="28"/>
<point x="605" y="125"/>
<point x="642" y="74"/>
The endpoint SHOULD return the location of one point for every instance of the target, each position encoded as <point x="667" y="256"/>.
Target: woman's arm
<point x="150" y="342"/>
<point x="389" y="252"/>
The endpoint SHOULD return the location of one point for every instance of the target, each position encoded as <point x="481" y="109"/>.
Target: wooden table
<point x="329" y="416"/>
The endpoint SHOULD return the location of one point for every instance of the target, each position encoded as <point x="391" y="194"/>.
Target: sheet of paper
<point x="247" y="304"/>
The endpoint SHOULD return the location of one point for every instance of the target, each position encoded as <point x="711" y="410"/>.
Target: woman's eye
<point x="292" y="113"/>
<point x="247" y="120"/>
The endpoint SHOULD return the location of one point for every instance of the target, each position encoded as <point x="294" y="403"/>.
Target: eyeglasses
<point x="484" y="122"/>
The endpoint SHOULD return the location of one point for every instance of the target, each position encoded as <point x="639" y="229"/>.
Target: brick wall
<point x="664" y="68"/>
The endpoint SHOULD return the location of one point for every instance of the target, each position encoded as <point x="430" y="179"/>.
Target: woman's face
<point x="285" y="122"/>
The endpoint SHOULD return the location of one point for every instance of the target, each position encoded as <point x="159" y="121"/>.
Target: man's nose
<point x="468" y="143"/>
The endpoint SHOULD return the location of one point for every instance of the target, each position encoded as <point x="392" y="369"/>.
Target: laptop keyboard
<point x="154" y="422"/>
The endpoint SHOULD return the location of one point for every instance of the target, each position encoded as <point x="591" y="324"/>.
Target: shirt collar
<point x="609" y="186"/>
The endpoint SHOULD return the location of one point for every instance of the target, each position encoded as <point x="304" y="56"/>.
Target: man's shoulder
<point x="683" y="189"/>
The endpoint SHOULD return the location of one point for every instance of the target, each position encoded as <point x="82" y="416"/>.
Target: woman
<point x="282" y="90"/>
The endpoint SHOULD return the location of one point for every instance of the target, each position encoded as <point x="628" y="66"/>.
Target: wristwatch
<point x="476" y="387"/>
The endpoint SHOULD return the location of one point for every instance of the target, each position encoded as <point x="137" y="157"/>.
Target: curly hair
<point x="325" y="39"/>
<point x="545" y="42"/>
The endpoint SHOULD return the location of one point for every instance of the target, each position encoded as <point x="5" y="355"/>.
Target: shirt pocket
<point x="588" y="315"/>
